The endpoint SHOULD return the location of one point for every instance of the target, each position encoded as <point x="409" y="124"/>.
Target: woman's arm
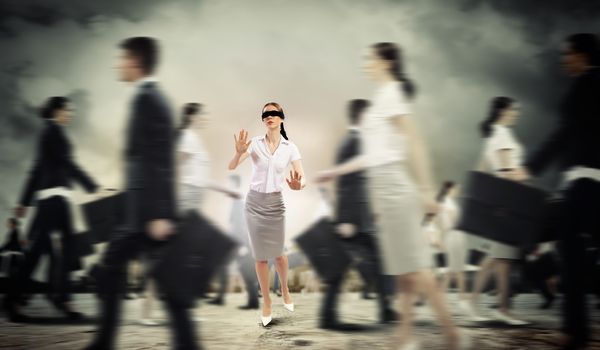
<point x="223" y="189"/>
<point x="241" y="148"/>
<point x="297" y="180"/>
<point x="508" y="170"/>
<point x="237" y="160"/>
<point x="417" y="153"/>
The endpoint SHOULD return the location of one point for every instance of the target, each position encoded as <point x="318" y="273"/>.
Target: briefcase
<point x="324" y="250"/>
<point x="501" y="210"/>
<point x="103" y="215"/>
<point x="82" y="246"/>
<point x="191" y="258"/>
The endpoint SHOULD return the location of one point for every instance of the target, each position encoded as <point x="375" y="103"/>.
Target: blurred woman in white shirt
<point x="503" y="157"/>
<point x="194" y="160"/>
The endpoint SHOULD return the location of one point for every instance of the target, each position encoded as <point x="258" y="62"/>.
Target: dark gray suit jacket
<point x="149" y="158"/>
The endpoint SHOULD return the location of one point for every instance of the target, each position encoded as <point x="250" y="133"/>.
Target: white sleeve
<point x="295" y="152"/>
<point x="501" y="140"/>
<point x="186" y="142"/>
<point x="395" y="103"/>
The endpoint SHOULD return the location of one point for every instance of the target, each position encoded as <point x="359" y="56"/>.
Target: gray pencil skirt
<point x="265" y="216"/>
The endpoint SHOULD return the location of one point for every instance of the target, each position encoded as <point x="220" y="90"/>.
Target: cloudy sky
<point x="234" y="56"/>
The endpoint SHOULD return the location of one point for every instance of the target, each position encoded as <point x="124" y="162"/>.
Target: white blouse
<point x="195" y="170"/>
<point x="383" y="143"/>
<point x="502" y="139"/>
<point x="268" y="170"/>
<point x="450" y="214"/>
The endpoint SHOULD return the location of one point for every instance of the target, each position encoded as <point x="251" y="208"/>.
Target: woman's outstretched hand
<point x="325" y="176"/>
<point x="241" y="142"/>
<point x="295" y="181"/>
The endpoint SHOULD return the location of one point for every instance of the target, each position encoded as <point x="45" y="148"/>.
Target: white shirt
<point x="147" y="79"/>
<point x="268" y="170"/>
<point x="383" y="143"/>
<point x="449" y="214"/>
<point x="195" y="170"/>
<point x="502" y="139"/>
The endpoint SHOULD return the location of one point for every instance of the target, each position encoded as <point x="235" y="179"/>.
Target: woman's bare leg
<point x="407" y="292"/>
<point x="281" y="265"/>
<point x="262" y="272"/>
<point x="482" y="277"/>
<point x="428" y="285"/>
<point x="502" y="278"/>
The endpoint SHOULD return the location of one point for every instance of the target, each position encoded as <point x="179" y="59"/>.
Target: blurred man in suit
<point x="355" y="227"/>
<point x="48" y="187"/>
<point x="576" y="142"/>
<point x="149" y="194"/>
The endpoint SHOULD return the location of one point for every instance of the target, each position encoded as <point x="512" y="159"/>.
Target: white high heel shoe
<point x="289" y="307"/>
<point x="413" y="345"/>
<point x="266" y="319"/>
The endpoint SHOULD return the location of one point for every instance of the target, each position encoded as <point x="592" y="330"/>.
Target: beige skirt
<point x="265" y="216"/>
<point x="398" y="215"/>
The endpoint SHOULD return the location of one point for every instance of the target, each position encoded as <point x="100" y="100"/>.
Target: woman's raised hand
<point x="241" y="142"/>
<point x="295" y="180"/>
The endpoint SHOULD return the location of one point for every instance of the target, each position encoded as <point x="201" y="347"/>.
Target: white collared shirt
<point x="195" y="170"/>
<point x="268" y="170"/>
<point x="147" y="79"/>
<point x="383" y="143"/>
<point x="502" y="138"/>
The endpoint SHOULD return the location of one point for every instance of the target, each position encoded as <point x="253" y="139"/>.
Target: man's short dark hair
<point x="587" y="44"/>
<point x="145" y="49"/>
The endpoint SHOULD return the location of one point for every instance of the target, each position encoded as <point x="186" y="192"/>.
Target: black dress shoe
<point x="17" y="317"/>
<point x="10" y="306"/>
<point x="216" y="301"/>
<point x="248" y="307"/>
<point x="341" y="327"/>
<point x="67" y="311"/>
<point x="574" y="345"/>
<point x="389" y="316"/>
<point x="98" y="346"/>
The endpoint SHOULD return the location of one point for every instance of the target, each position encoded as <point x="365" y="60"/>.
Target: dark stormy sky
<point x="236" y="55"/>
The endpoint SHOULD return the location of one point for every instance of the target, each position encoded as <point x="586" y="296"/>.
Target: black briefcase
<point x="501" y="210"/>
<point x="82" y="246"/>
<point x="553" y="222"/>
<point x="103" y="216"/>
<point x="191" y="258"/>
<point x="324" y="250"/>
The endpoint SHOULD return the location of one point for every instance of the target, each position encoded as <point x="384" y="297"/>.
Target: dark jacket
<point x="149" y="158"/>
<point x="576" y="141"/>
<point x="351" y="186"/>
<point x="54" y="165"/>
<point x="352" y="200"/>
<point x="12" y="244"/>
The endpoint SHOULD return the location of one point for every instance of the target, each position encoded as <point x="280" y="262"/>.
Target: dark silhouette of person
<point x="50" y="180"/>
<point x="356" y="228"/>
<point x="150" y="206"/>
<point x="575" y="141"/>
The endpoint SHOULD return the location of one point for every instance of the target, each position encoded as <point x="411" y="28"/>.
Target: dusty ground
<point x="226" y="327"/>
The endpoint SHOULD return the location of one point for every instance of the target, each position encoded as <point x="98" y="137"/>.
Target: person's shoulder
<point x="289" y="143"/>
